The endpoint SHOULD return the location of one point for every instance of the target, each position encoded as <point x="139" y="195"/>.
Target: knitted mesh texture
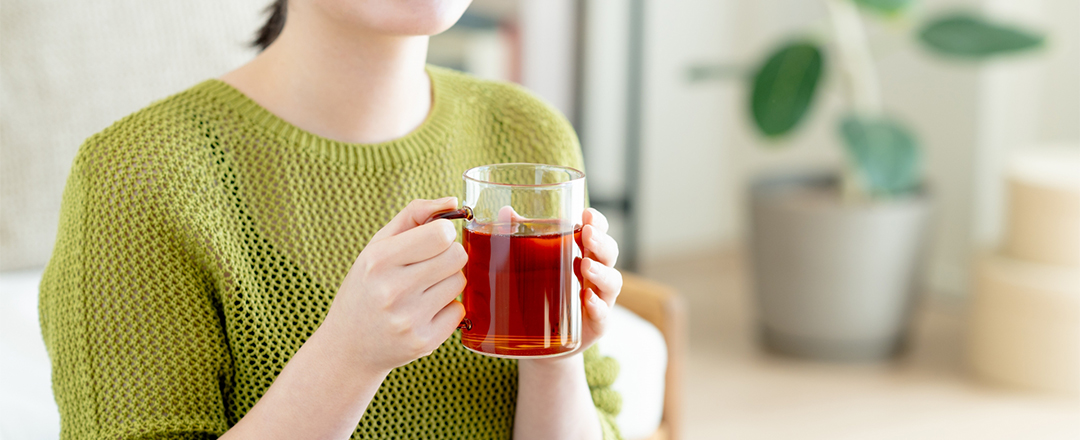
<point x="202" y="240"/>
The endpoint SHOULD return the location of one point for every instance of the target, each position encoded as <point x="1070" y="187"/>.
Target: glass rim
<point x="576" y="175"/>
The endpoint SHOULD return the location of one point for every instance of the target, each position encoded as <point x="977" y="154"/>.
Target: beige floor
<point x="734" y="391"/>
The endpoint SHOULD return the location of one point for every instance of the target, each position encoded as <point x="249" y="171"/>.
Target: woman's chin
<point x="397" y="17"/>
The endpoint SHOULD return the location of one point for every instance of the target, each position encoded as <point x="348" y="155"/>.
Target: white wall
<point x="547" y="50"/>
<point x="683" y="178"/>
<point x="1028" y="101"/>
<point x="70" y="69"/>
<point x="604" y="87"/>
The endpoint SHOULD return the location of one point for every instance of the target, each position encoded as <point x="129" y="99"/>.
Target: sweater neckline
<point x="405" y="149"/>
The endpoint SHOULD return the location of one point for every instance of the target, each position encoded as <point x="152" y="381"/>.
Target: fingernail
<point x="444" y="199"/>
<point x="594" y="267"/>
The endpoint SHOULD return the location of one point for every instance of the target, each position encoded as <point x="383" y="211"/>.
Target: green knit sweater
<point x="202" y="240"/>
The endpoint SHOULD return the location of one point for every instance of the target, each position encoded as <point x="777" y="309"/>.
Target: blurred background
<point x="868" y="210"/>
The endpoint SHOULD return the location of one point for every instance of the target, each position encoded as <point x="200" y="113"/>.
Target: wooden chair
<point x="666" y="309"/>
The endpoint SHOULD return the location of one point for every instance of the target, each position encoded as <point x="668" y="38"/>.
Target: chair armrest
<point x="664" y="308"/>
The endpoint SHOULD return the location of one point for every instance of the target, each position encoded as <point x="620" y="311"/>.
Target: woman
<point x="192" y="292"/>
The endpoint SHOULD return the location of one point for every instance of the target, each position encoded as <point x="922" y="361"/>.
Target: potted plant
<point x="836" y="256"/>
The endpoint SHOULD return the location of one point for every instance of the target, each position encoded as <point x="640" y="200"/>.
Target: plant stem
<point x="863" y="91"/>
<point x="854" y="57"/>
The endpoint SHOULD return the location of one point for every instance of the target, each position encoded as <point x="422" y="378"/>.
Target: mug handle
<point x="464" y="213"/>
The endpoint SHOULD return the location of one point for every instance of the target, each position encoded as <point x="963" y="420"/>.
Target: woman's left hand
<point x="556" y="388"/>
<point x="602" y="282"/>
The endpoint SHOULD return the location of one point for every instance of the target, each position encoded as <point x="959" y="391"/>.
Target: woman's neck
<point x="335" y="81"/>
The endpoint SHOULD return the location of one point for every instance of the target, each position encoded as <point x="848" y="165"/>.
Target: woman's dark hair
<point x="270" y="31"/>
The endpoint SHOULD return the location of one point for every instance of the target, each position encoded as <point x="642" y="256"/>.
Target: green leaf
<point x="784" y="87"/>
<point x="970" y="36"/>
<point x="885" y="7"/>
<point x="885" y="154"/>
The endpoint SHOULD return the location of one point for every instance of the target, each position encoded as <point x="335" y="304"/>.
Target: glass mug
<point x="523" y="235"/>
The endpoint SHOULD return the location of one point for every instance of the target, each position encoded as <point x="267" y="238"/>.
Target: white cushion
<point x="27" y="408"/>
<point x="642" y="354"/>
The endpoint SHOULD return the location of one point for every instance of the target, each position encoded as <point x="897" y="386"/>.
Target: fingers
<point x="444" y="322"/>
<point x="508" y="215"/>
<point x="599" y="300"/>
<point x="596" y="311"/>
<point x="596" y="219"/>
<point x="426" y="273"/>
<point x="607" y="280"/>
<point x="507" y="220"/>
<point x="415" y="214"/>
<point x="418" y="244"/>
<point x="599" y="246"/>
<point x="442" y="293"/>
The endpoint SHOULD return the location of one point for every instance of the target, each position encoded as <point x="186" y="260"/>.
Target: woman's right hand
<point x="398" y="301"/>
<point x="396" y="304"/>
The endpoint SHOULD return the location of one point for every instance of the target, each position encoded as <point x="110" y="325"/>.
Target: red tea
<point x="523" y="296"/>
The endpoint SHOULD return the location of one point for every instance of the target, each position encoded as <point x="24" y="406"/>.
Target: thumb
<point x="415" y="214"/>
<point x="508" y="220"/>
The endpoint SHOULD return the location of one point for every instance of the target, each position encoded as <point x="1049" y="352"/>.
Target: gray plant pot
<point x="833" y="281"/>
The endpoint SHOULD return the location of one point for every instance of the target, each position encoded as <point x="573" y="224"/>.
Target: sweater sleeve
<point x="128" y="317"/>
<point x="600" y="373"/>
